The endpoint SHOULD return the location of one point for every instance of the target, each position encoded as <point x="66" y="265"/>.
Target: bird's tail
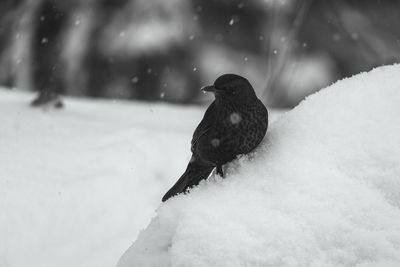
<point x="195" y="172"/>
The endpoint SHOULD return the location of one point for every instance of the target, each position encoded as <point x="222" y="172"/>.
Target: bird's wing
<point x="205" y="124"/>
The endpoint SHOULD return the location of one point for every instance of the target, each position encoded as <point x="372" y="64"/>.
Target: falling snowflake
<point x="234" y="19"/>
<point x="215" y="142"/>
<point x="45" y="41"/>
<point x="235" y="118"/>
<point x="162" y="94"/>
<point x="135" y="79"/>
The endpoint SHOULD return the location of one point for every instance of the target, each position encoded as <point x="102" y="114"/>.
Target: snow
<point x="77" y="185"/>
<point x="323" y="189"/>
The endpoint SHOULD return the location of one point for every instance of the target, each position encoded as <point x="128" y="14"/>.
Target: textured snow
<point x="78" y="184"/>
<point x="323" y="189"/>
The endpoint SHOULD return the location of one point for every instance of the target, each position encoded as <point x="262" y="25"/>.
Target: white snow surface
<point x="323" y="189"/>
<point x="78" y="184"/>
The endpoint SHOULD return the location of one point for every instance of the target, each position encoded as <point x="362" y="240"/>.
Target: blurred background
<point x="165" y="50"/>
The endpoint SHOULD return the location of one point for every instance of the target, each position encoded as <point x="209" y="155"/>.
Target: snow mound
<point x="323" y="189"/>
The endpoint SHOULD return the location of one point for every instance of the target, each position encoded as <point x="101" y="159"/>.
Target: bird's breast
<point x="235" y="131"/>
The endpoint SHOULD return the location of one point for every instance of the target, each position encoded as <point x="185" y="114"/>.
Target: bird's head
<point x="231" y="87"/>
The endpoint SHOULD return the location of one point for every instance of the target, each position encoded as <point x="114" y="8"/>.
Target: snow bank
<point x="323" y="189"/>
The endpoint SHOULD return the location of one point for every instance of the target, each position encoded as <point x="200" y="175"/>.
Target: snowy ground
<point x="323" y="189"/>
<point x="77" y="185"/>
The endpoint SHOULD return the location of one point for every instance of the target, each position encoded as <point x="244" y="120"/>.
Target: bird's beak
<point x="209" y="88"/>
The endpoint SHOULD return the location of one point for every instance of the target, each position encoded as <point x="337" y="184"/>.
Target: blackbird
<point x="234" y="123"/>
